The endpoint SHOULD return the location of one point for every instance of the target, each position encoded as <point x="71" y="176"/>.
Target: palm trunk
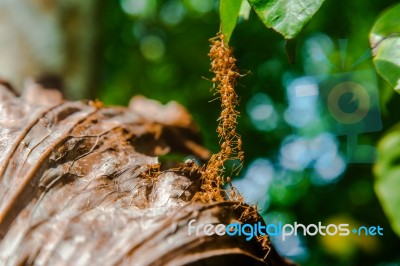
<point x="81" y="184"/>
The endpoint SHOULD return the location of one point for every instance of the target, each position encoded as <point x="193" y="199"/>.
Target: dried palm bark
<point x="80" y="184"/>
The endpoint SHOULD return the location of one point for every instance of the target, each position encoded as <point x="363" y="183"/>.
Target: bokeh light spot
<point x="138" y="8"/>
<point x="152" y="47"/>
<point x="262" y="112"/>
<point x="172" y="13"/>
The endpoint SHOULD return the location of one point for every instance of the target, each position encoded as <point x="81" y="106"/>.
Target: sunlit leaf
<point x="387" y="182"/>
<point x="245" y="9"/>
<point x="229" y="12"/>
<point x="385" y="43"/>
<point x="287" y="17"/>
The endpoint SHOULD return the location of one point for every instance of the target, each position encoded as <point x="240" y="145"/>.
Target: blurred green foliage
<point x="388" y="177"/>
<point x="385" y="40"/>
<point x="159" y="49"/>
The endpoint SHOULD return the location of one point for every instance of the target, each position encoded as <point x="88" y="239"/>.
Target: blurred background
<point x="301" y="163"/>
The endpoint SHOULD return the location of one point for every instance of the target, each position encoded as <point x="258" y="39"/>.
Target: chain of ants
<point x="223" y="65"/>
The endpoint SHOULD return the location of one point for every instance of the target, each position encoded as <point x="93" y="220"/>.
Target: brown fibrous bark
<point x="81" y="184"/>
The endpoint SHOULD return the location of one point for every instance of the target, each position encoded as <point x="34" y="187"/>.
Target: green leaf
<point x="385" y="43"/>
<point x="229" y="13"/>
<point x="287" y="17"/>
<point x="245" y="9"/>
<point x="387" y="181"/>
